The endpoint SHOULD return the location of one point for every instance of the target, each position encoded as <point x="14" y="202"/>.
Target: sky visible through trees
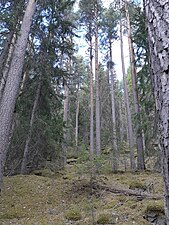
<point x="82" y="47"/>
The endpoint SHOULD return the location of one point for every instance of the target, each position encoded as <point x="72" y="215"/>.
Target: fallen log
<point x="139" y="194"/>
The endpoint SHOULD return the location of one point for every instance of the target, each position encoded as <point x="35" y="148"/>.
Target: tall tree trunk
<point x="77" y="117"/>
<point x="65" y="120"/>
<point x="28" y="139"/>
<point x="91" y="101"/>
<point x="121" y="122"/>
<point x="158" y="29"/>
<point x="112" y="91"/>
<point x="98" y="144"/>
<point x="128" y="112"/>
<point x="12" y="84"/>
<point x="139" y="139"/>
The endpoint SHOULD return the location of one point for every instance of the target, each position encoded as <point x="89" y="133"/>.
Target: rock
<point x="155" y="218"/>
<point x="160" y="221"/>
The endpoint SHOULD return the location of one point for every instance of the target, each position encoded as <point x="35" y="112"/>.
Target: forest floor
<point x="71" y="196"/>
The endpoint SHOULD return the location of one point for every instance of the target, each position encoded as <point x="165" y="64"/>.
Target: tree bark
<point x="128" y="112"/>
<point x="98" y="144"/>
<point x="121" y="122"/>
<point x="12" y="84"/>
<point x="157" y="18"/>
<point x="77" y="117"/>
<point x="113" y="113"/>
<point x="91" y="101"/>
<point x="65" y="120"/>
<point x="139" y="139"/>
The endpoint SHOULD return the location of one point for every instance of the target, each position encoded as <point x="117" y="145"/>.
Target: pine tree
<point x="139" y="138"/>
<point x="157" y="22"/>
<point x="128" y="110"/>
<point x="12" y="84"/>
<point x="109" y="27"/>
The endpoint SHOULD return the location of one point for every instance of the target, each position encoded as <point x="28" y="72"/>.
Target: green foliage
<point x="49" y="41"/>
<point x="83" y="155"/>
<point x="108" y="25"/>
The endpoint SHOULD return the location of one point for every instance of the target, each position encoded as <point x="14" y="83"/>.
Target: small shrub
<point x="73" y="214"/>
<point x="83" y="156"/>
<point x="103" y="219"/>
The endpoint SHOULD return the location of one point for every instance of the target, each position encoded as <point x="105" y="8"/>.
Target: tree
<point x="128" y="111"/>
<point x="109" y="27"/>
<point x="87" y="18"/>
<point x="12" y="84"/>
<point x="98" y="140"/>
<point x="145" y="89"/>
<point x="157" y="18"/>
<point x="139" y="138"/>
<point x="28" y="140"/>
<point x="10" y="28"/>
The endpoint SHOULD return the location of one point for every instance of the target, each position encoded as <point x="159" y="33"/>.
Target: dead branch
<point x="139" y="194"/>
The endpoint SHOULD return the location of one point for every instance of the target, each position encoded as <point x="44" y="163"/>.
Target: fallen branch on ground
<point x="139" y="194"/>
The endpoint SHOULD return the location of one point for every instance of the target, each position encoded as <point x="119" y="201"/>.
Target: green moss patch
<point x="73" y="214"/>
<point x="137" y="185"/>
<point x="104" y="219"/>
<point x="157" y="207"/>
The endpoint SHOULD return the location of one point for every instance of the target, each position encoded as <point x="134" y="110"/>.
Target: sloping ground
<point x="69" y="197"/>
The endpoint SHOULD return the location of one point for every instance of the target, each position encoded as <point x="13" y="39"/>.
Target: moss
<point x="156" y="207"/>
<point x="41" y="200"/>
<point x="73" y="214"/>
<point x="43" y="173"/>
<point x="11" y="215"/>
<point x="104" y="219"/>
<point x="111" y="204"/>
<point x="136" y="185"/>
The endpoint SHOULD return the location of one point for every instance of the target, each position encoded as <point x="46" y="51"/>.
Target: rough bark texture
<point x="12" y="84"/>
<point x="112" y="91"/>
<point x="98" y="144"/>
<point x="139" y="139"/>
<point x="157" y="14"/>
<point x="128" y="112"/>
<point x="28" y="139"/>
